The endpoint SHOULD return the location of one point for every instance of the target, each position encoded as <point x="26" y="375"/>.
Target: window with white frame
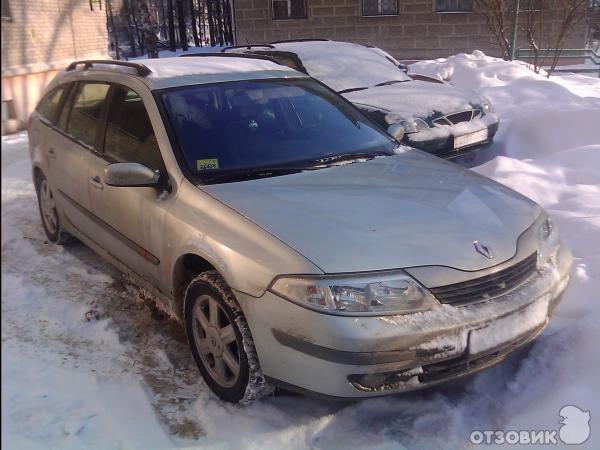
<point x="289" y="9"/>
<point x="453" y="6"/>
<point x="379" y="7"/>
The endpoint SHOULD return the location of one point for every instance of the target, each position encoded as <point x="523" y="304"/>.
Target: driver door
<point x="132" y="217"/>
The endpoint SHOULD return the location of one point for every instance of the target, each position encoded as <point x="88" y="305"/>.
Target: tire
<point x="220" y="340"/>
<point x="49" y="212"/>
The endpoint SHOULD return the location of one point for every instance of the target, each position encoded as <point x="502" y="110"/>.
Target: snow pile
<point x="547" y="148"/>
<point x="78" y="380"/>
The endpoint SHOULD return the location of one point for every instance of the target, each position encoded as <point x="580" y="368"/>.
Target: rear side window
<point x="48" y="106"/>
<point x="88" y="102"/>
<point x="129" y="133"/>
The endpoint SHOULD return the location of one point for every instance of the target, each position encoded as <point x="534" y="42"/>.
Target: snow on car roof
<point x="169" y="72"/>
<point x="343" y="65"/>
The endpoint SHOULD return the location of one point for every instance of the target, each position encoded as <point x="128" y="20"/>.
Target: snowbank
<point x="69" y="382"/>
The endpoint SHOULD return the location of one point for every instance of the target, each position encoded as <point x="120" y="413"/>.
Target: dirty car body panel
<point x="359" y="273"/>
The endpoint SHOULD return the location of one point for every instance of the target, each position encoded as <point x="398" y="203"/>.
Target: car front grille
<point x="459" y="117"/>
<point x="488" y="286"/>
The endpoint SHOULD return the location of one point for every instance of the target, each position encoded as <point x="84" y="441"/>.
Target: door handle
<point x="51" y="154"/>
<point x="97" y="182"/>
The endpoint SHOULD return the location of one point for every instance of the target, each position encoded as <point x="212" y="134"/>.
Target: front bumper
<point x="439" y="141"/>
<point x="330" y="355"/>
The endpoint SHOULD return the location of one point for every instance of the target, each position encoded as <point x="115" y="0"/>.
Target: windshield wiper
<point x="345" y="91"/>
<point x="352" y="156"/>
<point x="264" y="172"/>
<point x="386" y="83"/>
<point x="255" y="172"/>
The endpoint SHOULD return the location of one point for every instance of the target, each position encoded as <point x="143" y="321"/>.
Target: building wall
<point x="41" y="37"/>
<point x="417" y="32"/>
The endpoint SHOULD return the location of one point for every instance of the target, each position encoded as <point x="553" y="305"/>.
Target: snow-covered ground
<point x="87" y="364"/>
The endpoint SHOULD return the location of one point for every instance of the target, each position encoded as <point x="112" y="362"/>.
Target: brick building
<point x="407" y="29"/>
<point x="39" y="37"/>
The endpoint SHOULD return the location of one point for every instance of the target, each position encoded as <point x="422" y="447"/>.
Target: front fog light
<point x="391" y="293"/>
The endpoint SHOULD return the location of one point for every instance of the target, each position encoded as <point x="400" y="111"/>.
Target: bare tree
<point x="497" y="17"/>
<point x="546" y="42"/>
<point x="194" y="23"/>
<point x="181" y="23"/>
<point x="533" y="30"/>
<point x="210" y="10"/>
<point x="133" y="12"/>
<point x="544" y="25"/>
<point x="111" y="20"/>
<point x="574" y="13"/>
<point x="227" y="15"/>
<point x="171" y="26"/>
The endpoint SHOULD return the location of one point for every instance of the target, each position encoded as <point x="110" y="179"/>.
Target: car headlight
<point x="409" y="125"/>
<point x="486" y="105"/>
<point x="394" y="293"/>
<point x="548" y="239"/>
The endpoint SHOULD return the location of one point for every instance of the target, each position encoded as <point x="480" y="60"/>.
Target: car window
<point x="66" y="109"/>
<point x="252" y="124"/>
<point x="48" y="106"/>
<point x="129" y="133"/>
<point x="88" y="102"/>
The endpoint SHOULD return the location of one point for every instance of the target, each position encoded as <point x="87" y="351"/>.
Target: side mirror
<point x="403" y="67"/>
<point x="396" y="130"/>
<point x="130" y="175"/>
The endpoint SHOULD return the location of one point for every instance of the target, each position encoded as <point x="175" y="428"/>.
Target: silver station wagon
<point x="299" y="244"/>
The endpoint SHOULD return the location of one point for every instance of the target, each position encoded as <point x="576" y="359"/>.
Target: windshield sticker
<point x="207" y="164"/>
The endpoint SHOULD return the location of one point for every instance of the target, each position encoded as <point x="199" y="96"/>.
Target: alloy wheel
<point x="215" y="339"/>
<point x="48" y="207"/>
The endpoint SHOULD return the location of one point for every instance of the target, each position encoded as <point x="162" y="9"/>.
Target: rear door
<point x="133" y="216"/>
<point x="70" y="150"/>
<point x="43" y="132"/>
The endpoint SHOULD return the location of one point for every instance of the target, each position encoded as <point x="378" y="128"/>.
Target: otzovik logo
<point x="483" y="249"/>
<point x="574" y="429"/>
<point x="575" y="423"/>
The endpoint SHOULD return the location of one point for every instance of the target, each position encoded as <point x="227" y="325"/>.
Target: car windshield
<point x="244" y="126"/>
<point x="344" y="66"/>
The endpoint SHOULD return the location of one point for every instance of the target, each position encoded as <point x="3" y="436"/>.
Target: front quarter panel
<point x="248" y="257"/>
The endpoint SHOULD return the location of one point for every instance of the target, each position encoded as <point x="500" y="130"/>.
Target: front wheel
<point x="220" y="340"/>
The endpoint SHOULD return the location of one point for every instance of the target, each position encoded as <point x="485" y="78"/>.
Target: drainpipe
<point x="513" y="46"/>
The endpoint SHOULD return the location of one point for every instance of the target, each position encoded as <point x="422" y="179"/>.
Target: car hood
<point x="391" y="212"/>
<point x="412" y="99"/>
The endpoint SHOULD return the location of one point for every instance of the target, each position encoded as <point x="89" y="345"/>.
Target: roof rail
<point x="141" y="69"/>
<point x="300" y="40"/>
<point x="233" y="55"/>
<point x="248" y="47"/>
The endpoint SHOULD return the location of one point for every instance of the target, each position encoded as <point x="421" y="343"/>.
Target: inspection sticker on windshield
<point x="207" y="164"/>
<point x="470" y="139"/>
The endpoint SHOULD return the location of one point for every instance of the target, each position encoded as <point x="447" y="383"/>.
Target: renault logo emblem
<point x="483" y="249"/>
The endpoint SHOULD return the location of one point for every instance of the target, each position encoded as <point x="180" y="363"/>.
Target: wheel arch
<point x="36" y="171"/>
<point x="186" y="267"/>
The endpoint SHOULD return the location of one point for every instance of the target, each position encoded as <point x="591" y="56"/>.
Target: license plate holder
<point x="470" y="139"/>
